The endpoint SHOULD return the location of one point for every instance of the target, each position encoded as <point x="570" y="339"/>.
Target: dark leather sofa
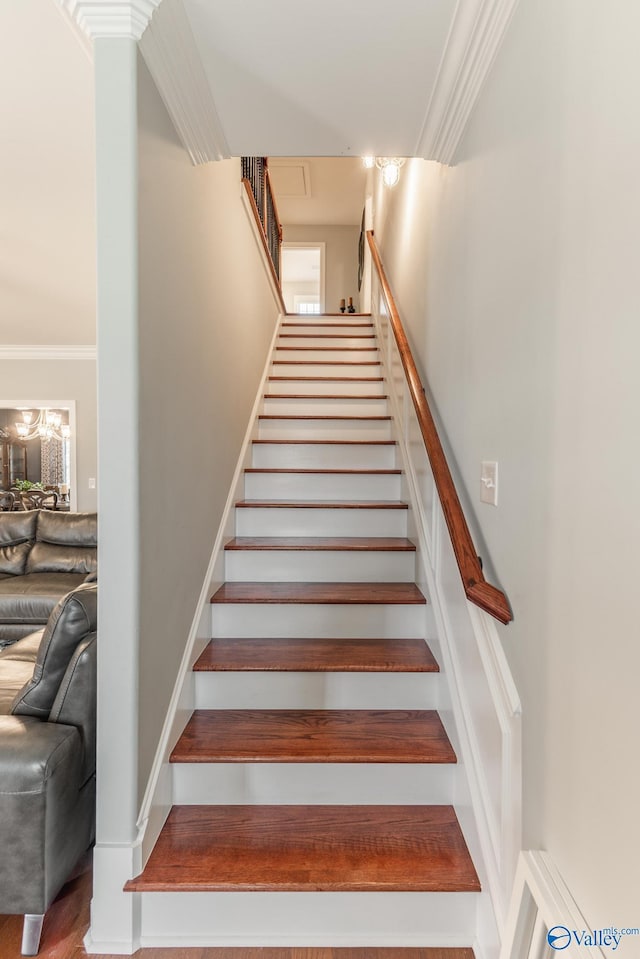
<point x="43" y="555"/>
<point x="47" y="758"/>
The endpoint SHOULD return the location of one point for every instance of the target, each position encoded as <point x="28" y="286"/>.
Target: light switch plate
<point x="489" y="483"/>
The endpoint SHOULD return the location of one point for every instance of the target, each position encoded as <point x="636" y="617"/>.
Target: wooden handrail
<point x="265" y="245"/>
<point x="477" y="589"/>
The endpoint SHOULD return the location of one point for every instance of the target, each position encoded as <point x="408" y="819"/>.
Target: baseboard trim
<point x="27" y="351"/>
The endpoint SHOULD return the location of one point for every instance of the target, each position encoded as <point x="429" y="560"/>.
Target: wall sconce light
<point x="390" y="167"/>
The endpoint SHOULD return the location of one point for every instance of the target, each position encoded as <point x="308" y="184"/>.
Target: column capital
<point x="111" y="18"/>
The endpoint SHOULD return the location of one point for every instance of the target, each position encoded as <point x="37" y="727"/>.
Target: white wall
<point x="61" y="380"/>
<point x="206" y="319"/>
<point x="516" y="275"/>
<point x="341" y="259"/>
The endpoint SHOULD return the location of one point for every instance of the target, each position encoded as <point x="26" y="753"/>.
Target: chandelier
<point x="47" y="425"/>
<point x="390" y="167"/>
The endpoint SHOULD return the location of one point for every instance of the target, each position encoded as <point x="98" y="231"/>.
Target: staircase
<point x="313" y="784"/>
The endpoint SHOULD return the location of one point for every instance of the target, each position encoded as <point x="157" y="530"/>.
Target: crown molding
<point x="43" y="352"/>
<point x="111" y="19"/>
<point x="170" y="52"/>
<point x="475" y="36"/>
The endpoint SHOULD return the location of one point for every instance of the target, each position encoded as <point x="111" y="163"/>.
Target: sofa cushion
<point x="25" y="650"/>
<point x="17" y="532"/>
<point x="74" y="617"/>
<point x="29" y="600"/>
<point x="14" y="673"/>
<point x="65" y="543"/>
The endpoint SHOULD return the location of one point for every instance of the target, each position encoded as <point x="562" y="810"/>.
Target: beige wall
<point x="516" y="273"/>
<point x="206" y="319"/>
<point x="341" y="263"/>
<point x="47" y="172"/>
<point x="61" y="380"/>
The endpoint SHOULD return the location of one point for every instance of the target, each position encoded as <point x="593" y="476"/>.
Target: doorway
<point x="303" y="277"/>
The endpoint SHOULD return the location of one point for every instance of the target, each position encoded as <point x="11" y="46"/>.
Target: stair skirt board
<point x="303" y="919"/>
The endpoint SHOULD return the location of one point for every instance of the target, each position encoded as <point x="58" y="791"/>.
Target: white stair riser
<point x="276" y="521"/>
<point x="323" y="456"/>
<point x="308" y="919"/>
<point x="291" y="620"/>
<point x="313" y="406"/>
<point x="334" y="329"/>
<point x="273" y="689"/>
<point x="326" y="368"/>
<point x="313" y="386"/>
<point x="347" y="486"/>
<point x="348" y="341"/>
<point x="351" y="429"/>
<point x="327" y="355"/>
<point x="312" y="783"/>
<point x="318" y="566"/>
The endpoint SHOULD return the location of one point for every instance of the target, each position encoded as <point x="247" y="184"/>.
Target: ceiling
<point x="295" y="78"/>
<point x="327" y="191"/>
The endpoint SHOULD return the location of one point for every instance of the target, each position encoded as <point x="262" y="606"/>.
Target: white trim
<point x="114" y="911"/>
<point x="474" y="39"/>
<point x="111" y="19"/>
<point x="42" y="352"/>
<point x="540" y="901"/>
<point x="171" y="54"/>
<point x="322" y="246"/>
<point x="157" y="799"/>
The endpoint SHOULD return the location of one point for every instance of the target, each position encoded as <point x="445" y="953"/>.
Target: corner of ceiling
<point x="476" y="33"/>
<point x="166" y="42"/>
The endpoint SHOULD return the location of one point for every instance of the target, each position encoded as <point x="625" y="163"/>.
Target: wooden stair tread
<point x="321" y="416"/>
<point x="317" y="655"/>
<point x="309" y="848"/>
<point x="330" y="349"/>
<point x="323" y="593"/>
<point x="327" y="363"/>
<point x="329" y="326"/>
<point x="326" y="379"/>
<point x="323" y="472"/>
<point x="329" y="336"/>
<point x="320" y="504"/>
<point x="329" y="442"/>
<point x="314" y="736"/>
<point x="336" y="543"/>
<point x="325" y="396"/>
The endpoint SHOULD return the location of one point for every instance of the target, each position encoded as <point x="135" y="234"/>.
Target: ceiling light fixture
<point x="47" y="425"/>
<point x="390" y="167"/>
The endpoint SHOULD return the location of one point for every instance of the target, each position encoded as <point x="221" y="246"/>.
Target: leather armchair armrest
<point x="45" y="822"/>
